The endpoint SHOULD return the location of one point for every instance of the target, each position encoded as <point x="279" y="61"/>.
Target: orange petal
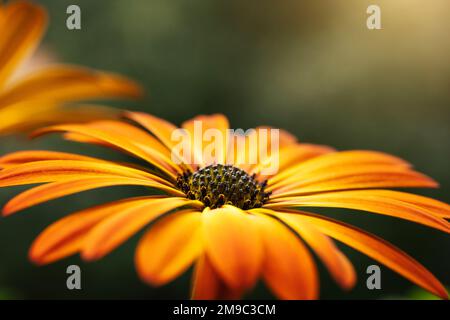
<point x="66" y="236"/>
<point x="288" y="268"/>
<point x="140" y="138"/>
<point x="56" y="190"/>
<point x="28" y="115"/>
<point x="60" y="170"/>
<point x="21" y="157"/>
<point x="112" y="139"/>
<point x="293" y="154"/>
<point x="134" y="134"/>
<point x="161" y="128"/>
<point x="438" y="208"/>
<point x="207" y="284"/>
<point x="69" y="83"/>
<point x="111" y="232"/>
<point x="22" y="25"/>
<point x="233" y="245"/>
<point x="337" y="263"/>
<point x="368" y="201"/>
<point x="377" y="249"/>
<point x="362" y="177"/>
<point x="333" y="161"/>
<point x="169" y="247"/>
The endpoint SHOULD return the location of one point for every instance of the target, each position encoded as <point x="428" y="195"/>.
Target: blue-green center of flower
<point x="216" y="185"/>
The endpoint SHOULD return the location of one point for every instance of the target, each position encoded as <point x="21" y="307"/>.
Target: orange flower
<point x="44" y="96"/>
<point x="223" y="216"/>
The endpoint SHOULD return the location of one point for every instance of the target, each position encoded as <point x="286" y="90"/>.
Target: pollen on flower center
<point x="216" y="185"/>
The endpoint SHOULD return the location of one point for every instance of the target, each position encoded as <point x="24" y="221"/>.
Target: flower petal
<point x="60" y="170"/>
<point x="140" y="138"/>
<point x="22" y="25"/>
<point x="111" y="232"/>
<point x="207" y="284"/>
<point x="112" y="139"/>
<point x="292" y="154"/>
<point x="337" y="263"/>
<point x="288" y="269"/>
<point x="233" y="245"/>
<point x="70" y="83"/>
<point x="333" y="161"/>
<point x="56" y="190"/>
<point x="161" y="128"/>
<point x="362" y="177"/>
<point x="134" y="134"/>
<point x="367" y="200"/>
<point x="169" y="247"/>
<point x="438" y="208"/>
<point x="377" y="249"/>
<point x="66" y="236"/>
<point x="21" y="157"/>
<point x="26" y="116"/>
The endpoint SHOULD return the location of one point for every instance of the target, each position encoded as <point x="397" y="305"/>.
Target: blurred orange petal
<point x="46" y="94"/>
<point x="208" y="285"/>
<point x="363" y="177"/>
<point x="169" y="247"/>
<point x="378" y="249"/>
<point x="67" y="235"/>
<point x="117" y="140"/>
<point x="56" y="190"/>
<point x="337" y="263"/>
<point x="333" y="161"/>
<point x="60" y="170"/>
<point x="233" y="245"/>
<point x="368" y="201"/>
<point x="22" y="157"/>
<point x="292" y="154"/>
<point x="114" y="230"/>
<point x="137" y="136"/>
<point x="288" y="269"/>
<point x="22" y="26"/>
<point x="69" y="83"/>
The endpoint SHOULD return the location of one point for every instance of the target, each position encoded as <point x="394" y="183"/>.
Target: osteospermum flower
<point x="224" y="216"/>
<point x="46" y="94"/>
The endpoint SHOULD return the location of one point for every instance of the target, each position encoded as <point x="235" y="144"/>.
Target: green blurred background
<point x="311" y="67"/>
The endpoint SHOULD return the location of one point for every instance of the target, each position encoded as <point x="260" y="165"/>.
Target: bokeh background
<point x="311" y="67"/>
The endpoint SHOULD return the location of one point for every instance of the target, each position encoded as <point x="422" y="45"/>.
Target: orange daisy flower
<point x="224" y="216"/>
<point x="30" y="98"/>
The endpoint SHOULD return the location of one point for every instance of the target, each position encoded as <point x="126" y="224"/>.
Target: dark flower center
<point x="216" y="185"/>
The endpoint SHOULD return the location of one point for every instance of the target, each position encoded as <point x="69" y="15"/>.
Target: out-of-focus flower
<point x="47" y="95"/>
<point x="223" y="215"/>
